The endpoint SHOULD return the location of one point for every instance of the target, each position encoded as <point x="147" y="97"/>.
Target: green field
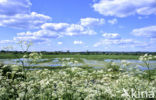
<point x="96" y="57"/>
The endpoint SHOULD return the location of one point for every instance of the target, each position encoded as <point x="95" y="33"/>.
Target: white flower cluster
<point x="32" y="58"/>
<point x="68" y="62"/>
<point x="146" y="57"/>
<point x="125" y="62"/>
<point x="71" y="84"/>
<point x="35" y="56"/>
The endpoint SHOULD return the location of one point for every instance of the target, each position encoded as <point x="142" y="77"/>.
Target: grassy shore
<point x="94" y="57"/>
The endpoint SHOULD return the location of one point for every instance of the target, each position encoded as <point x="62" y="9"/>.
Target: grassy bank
<point x="94" y="57"/>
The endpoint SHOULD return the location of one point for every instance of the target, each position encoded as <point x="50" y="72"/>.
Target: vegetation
<point x="72" y="82"/>
<point x="91" y="55"/>
<point x="75" y="83"/>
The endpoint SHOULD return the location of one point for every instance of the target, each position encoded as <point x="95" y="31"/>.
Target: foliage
<point x="74" y="82"/>
<point x="145" y="59"/>
<point x="112" y="66"/>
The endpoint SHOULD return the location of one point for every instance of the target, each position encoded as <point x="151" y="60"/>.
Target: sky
<point x="79" y="25"/>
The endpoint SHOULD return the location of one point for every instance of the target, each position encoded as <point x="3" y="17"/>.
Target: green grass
<point x="9" y="55"/>
<point x="93" y="57"/>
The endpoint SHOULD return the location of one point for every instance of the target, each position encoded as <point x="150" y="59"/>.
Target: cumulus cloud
<point x="111" y="35"/>
<point x="59" y="43"/>
<point x="114" y="42"/>
<point x="111" y="39"/>
<point x="122" y="43"/>
<point x="24" y="21"/>
<point x="68" y="29"/>
<point x="39" y="36"/>
<point x="13" y="7"/>
<point x="113" y="21"/>
<point x="124" y="8"/>
<point x="149" y="32"/>
<point x="30" y="38"/>
<point x="78" y="42"/>
<point x="40" y="33"/>
<point x="55" y="30"/>
<point x="55" y="26"/>
<point x="115" y="38"/>
<point x="91" y="21"/>
<point x="75" y="29"/>
<point x="17" y="14"/>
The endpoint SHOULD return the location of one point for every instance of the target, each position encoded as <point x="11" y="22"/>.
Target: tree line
<point x="81" y="53"/>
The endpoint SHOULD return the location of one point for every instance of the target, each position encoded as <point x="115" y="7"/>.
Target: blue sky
<point x="79" y="25"/>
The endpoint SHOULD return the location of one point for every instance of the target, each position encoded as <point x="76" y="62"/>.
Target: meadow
<point x="77" y="77"/>
<point x="11" y="55"/>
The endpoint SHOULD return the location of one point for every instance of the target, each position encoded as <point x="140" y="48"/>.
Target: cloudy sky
<point x="79" y="25"/>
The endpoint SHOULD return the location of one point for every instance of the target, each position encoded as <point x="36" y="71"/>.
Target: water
<point x="42" y="62"/>
<point x="92" y="63"/>
<point x="51" y="63"/>
<point x="133" y="63"/>
<point x="129" y="60"/>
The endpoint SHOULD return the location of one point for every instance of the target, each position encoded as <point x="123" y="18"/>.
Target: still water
<point x="92" y="63"/>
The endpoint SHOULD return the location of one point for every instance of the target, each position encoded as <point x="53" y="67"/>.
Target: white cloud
<point x="78" y="42"/>
<point x="3" y="1"/>
<point x="91" y="21"/>
<point x="149" y="32"/>
<point x="114" y="39"/>
<point x="59" y="43"/>
<point x="76" y="29"/>
<point x="111" y="35"/>
<point x="39" y="36"/>
<point x="30" y="38"/>
<point x="13" y="7"/>
<point x="25" y="21"/>
<point x="114" y="42"/>
<point x="124" y="8"/>
<point x="47" y="32"/>
<point x="17" y="14"/>
<point x="55" y="26"/>
<point x="68" y="29"/>
<point x="111" y="39"/>
<point x="40" y="33"/>
<point x="122" y="43"/>
<point x="73" y="29"/>
<point x="55" y="30"/>
<point x="113" y="21"/>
